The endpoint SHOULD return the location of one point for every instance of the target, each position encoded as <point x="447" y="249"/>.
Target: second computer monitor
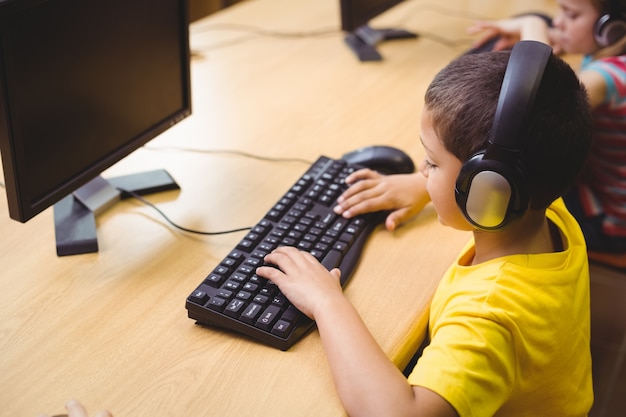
<point x="360" y="36"/>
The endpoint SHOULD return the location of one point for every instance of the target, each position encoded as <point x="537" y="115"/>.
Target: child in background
<point x="509" y="323"/>
<point x="597" y="30"/>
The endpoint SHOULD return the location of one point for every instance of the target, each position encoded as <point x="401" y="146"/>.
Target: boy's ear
<point x="492" y="188"/>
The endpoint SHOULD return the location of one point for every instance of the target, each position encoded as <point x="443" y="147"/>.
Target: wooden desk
<point x="111" y="329"/>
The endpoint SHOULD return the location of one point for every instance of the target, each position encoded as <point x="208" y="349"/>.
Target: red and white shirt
<point x="602" y="187"/>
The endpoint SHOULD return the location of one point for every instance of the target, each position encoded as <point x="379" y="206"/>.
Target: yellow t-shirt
<point x="510" y="337"/>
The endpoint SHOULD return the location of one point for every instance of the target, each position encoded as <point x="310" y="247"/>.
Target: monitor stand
<point x="75" y="215"/>
<point x="363" y="40"/>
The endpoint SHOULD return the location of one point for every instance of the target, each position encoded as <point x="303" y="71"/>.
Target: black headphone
<point x="611" y="26"/>
<point x="492" y="189"/>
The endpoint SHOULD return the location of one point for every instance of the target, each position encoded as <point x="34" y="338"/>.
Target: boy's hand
<point x="302" y="279"/>
<point x="403" y="194"/>
<point x="509" y="31"/>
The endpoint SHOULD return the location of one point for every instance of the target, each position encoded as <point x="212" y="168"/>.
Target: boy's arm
<point x="527" y="27"/>
<point x="404" y="195"/>
<point x="368" y="383"/>
<point x="595" y="85"/>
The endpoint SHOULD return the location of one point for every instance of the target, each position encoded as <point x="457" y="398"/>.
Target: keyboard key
<point x="232" y="285"/>
<point x="234" y="308"/>
<point x="199" y="297"/>
<point x="332" y="259"/>
<point x="261" y="299"/>
<point x="281" y="328"/>
<point x="214" y="279"/>
<point x="217" y="303"/>
<point x="268" y="317"/>
<point x="225" y="294"/>
<point x="244" y="295"/>
<point x="251" y="313"/>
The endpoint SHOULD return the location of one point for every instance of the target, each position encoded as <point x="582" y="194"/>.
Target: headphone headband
<point x="615" y="9"/>
<point x="521" y="81"/>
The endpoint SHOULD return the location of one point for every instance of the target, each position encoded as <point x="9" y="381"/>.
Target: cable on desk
<point x="167" y="219"/>
<point x="228" y="152"/>
<point x="209" y="151"/>
<point x="446" y="11"/>
<point x="452" y="43"/>
<point x="196" y="52"/>
<point x="256" y="30"/>
<point x="299" y="35"/>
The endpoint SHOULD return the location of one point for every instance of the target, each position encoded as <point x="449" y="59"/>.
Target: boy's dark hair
<point x="462" y="101"/>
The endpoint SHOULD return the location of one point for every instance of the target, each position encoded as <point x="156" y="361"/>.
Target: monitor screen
<point x="82" y="85"/>
<point x="361" y="38"/>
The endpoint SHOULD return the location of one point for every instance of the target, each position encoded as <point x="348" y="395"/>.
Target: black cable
<point x="167" y="219"/>
<point x="217" y="151"/>
<point x="197" y="50"/>
<point x="184" y="229"/>
<point x="229" y="152"/>
<point x="450" y="43"/>
<point x="209" y="151"/>
<point x="256" y="30"/>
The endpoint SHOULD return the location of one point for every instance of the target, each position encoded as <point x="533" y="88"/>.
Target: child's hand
<point x="302" y="279"/>
<point x="403" y="194"/>
<point x="75" y="409"/>
<point x="510" y="31"/>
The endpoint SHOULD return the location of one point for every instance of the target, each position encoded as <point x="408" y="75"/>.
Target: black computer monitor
<point x="83" y="83"/>
<point x="360" y="37"/>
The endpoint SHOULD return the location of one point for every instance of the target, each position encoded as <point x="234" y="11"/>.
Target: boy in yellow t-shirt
<point x="505" y="136"/>
<point x="532" y="314"/>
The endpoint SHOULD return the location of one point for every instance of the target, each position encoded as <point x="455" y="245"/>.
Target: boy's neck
<point x="532" y="234"/>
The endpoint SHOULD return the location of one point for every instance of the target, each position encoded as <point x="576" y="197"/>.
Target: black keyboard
<point x="233" y="297"/>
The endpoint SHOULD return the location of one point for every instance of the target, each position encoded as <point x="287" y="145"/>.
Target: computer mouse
<point x="384" y="159"/>
<point x="487" y="46"/>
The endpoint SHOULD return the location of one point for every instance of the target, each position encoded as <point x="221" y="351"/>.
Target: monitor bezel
<point x="22" y="210"/>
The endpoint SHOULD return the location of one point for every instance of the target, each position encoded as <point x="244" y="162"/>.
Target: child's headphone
<point x="611" y="26"/>
<point x="492" y="189"/>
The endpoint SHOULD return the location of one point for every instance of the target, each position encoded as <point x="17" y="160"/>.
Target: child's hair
<point x="462" y="101"/>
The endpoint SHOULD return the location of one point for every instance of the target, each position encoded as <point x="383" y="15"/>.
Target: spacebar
<point x="332" y="259"/>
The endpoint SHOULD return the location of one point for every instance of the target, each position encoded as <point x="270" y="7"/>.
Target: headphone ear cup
<point x="607" y="30"/>
<point x="491" y="193"/>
